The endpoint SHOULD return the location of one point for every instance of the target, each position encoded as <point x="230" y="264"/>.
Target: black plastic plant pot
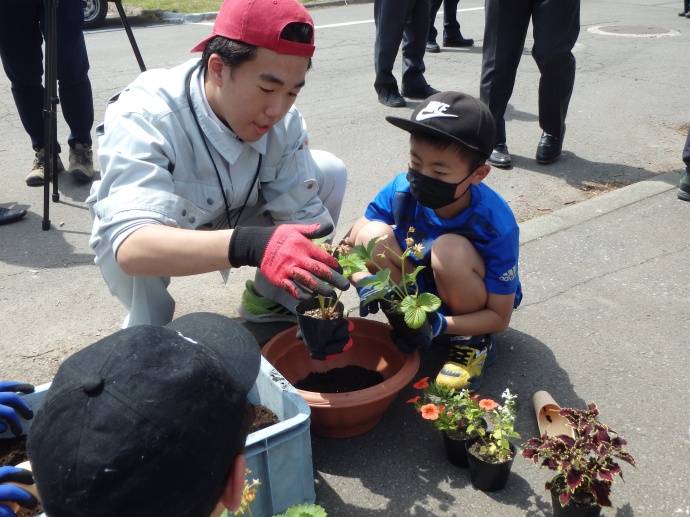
<point x="454" y="442"/>
<point x="322" y="336"/>
<point x="397" y="321"/>
<point x="573" y="509"/>
<point x="487" y="476"/>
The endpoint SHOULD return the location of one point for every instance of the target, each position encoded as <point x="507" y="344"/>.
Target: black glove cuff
<point x="248" y="244"/>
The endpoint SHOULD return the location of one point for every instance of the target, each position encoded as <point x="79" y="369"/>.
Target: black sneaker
<point x="390" y="96"/>
<point x="684" y="187"/>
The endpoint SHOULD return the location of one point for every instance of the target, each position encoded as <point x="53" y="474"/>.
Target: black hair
<point x="473" y="157"/>
<point x="235" y="53"/>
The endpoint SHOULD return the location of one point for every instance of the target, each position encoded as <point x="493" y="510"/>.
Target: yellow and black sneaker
<point x="467" y="359"/>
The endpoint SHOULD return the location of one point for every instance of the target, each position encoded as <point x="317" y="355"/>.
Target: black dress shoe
<point x="549" y="149"/>
<point x="500" y="156"/>
<point x="459" y="42"/>
<point x="432" y="47"/>
<point x="683" y="13"/>
<point x="7" y="215"/>
<point x="422" y="93"/>
<point x="391" y="97"/>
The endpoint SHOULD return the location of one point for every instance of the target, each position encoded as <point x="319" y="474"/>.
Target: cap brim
<point x="199" y="47"/>
<point x="235" y="346"/>
<point x="412" y="126"/>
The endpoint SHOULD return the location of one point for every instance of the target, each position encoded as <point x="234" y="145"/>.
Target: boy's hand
<point x="10" y="493"/>
<point x="11" y="404"/>
<point x="437" y="326"/>
<point x="366" y="293"/>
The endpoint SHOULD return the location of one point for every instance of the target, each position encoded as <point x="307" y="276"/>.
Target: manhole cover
<point x="633" y="31"/>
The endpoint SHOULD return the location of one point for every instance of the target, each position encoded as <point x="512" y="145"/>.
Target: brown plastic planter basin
<point x="342" y="415"/>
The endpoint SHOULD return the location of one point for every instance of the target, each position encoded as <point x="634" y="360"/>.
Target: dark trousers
<point x="451" y="27"/>
<point x="397" y="21"/>
<point x="22" y="28"/>
<point x="556" y="28"/>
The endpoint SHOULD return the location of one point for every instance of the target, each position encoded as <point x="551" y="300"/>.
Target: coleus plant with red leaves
<point x="586" y="463"/>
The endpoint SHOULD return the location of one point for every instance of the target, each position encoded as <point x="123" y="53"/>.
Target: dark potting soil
<point x="13" y="452"/>
<point x="263" y="417"/>
<point x="340" y="380"/>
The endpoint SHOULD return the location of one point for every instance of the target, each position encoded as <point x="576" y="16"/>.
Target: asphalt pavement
<point x="604" y="253"/>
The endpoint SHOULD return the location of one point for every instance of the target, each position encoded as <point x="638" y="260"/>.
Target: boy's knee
<point x="373" y="230"/>
<point x="452" y="248"/>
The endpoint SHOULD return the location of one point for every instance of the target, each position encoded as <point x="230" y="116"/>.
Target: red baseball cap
<point x="259" y="23"/>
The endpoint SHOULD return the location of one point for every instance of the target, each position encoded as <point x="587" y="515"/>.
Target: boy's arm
<point x="495" y="317"/>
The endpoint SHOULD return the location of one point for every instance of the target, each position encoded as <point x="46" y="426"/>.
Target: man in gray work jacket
<point x="216" y="144"/>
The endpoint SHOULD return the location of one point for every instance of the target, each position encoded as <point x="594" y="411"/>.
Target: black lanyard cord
<point x="220" y="181"/>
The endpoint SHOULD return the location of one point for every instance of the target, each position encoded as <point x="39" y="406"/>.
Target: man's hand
<point x="437" y="326"/>
<point x="10" y="404"/>
<point x="13" y="494"/>
<point x="288" y="259"/>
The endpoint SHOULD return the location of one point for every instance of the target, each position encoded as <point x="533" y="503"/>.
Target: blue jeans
<point x="22" y="29"/>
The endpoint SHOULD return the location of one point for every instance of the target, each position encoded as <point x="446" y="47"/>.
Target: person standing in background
<point x="22" y="31"/>
<point x="452" y="37"/>
<point x="397" y="21"/>
<point x="556" y="26"/>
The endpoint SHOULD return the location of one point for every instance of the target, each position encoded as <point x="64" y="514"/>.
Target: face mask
<point x="433" y="193"/>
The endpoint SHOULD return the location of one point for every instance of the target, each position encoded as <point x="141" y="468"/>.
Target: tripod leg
<point x="128" y="30"/>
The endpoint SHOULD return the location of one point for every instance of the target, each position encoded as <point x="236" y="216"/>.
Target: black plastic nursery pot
<point x="487" y="476"/>
<point x="397" y="321"/>
<point x="573" y="509"/>
<point x="318" y="334"/>
<point x="454" y="443"/>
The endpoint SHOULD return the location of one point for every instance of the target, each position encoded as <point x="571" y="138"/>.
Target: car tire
<point x="94" y="13"/>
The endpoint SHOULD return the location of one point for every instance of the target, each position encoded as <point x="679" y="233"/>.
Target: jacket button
<point x="192" y="219"/>
<point x="184" y="212"/>
<point x="209" y="201"/>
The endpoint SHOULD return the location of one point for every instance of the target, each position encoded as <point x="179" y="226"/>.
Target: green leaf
<point x="304" y="510"/>
<point x="428" y="301"/>
<point x="415" y="316"/>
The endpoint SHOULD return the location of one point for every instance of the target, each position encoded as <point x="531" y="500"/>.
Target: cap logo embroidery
<point x="433" y="110"/>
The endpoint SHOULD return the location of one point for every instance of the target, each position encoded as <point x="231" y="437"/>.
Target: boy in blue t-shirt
<point x="468" y="232"/>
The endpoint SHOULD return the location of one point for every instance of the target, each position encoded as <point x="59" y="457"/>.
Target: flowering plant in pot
<point x="404" y="306"/>
<point x="455" y="413"/>
<point x="491" y="455"/>
<point x="249" y="496"/>
<point x="321" y="322"/>
<point x="585" y="463"/>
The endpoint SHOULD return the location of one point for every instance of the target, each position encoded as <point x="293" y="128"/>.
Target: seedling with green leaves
<point x="404" y="296"/>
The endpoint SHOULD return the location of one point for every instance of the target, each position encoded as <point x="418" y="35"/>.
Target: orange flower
<point x="421" y="383"/>
<point x="413" y="399"/>
<point x="430" y="411"/>
<point x="475" y="396"/>
<point x="487" y="404"/>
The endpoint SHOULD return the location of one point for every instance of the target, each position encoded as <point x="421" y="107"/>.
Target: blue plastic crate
<point x="279" y="455"/>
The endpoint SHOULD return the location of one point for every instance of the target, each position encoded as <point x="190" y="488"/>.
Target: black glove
<point x="288" y="259"/>
<point x="11" y="404"/>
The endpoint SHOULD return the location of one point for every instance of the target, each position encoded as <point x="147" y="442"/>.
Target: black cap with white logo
<point x="453" y="116"/>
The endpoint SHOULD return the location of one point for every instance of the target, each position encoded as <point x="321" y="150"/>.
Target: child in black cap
<point x="468" y="233"/>
<point x="148" y="421"/>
